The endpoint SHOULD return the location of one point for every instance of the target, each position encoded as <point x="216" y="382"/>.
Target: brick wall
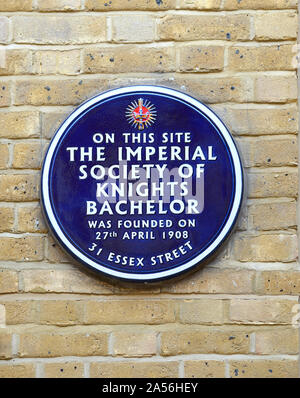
<point x="232" y="319"/>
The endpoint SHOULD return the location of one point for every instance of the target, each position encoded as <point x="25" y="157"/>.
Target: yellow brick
<point x="204" y="369"/>
<point x="276" y="26"/>
<point x="275" y="184"/>
<point x="161" y="369"/>
<point x="281" y="368"/>
<point x="4" y="156"/>
<point x="21" y="124"/>
<point x="201" y="58"/>
<point x="59" y="5"/>
<point x="279" y="282"/>
<point x="19" y="187"/>
<point x="134" y="344"/>
<point x="204" y="341"/>
<point x="204" y="27"/>
<point x="258" y="4"/>
<point x="272" y="216"/>
<point x="15" y="62"/>
<point x="4" y="30"/>
<point x="21" y="312"/>
<point x="28" y="155"/>
<point x="200" y="4"/>
<point x="261" y="311"/>
<point x="49" y="29"/>
<point x="64" y="370"/>
<point x="264" y="152"/>
<point x="115" y="5"/>
<point x="201" y="311"/>
<point x="279" y="341"/>
<point x="275" y="89"/>
<point x="133" y="28"/>
<point x="130" y="312"/>
<point x="57" y="92"/>
<point x="51" y="121"/>
<point x="210" y="90"/>
<point x="18" y="371"/>
<point x="59" y="344"/>
<point x="30" y="219"/>
<point x="15" y="5"/>
<point x="215" y="90"/>
<point x="27" y="248"/>
<point x="5" y="345"/>
<point x="214" y="281"/>
<point x="63" y="281"/>
<point x="54" y="253"/>
<point x="261" y="58"/>
<point x="129" y="59"/>
<point x="259" y="120"/>
<point x="5" y="94"/>
<point x="8" y="281"/>
<point x="266" y="248"/>
<point x="49" y="62"/>
<point x="62" y="313"/>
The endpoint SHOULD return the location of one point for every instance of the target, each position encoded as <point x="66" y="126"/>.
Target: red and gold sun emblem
<point x="141" y="114"/>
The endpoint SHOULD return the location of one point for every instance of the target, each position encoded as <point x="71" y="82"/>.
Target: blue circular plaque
<point x="142" y="183"/>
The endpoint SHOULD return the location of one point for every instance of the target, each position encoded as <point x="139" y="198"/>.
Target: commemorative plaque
<point x="142" y="183"/>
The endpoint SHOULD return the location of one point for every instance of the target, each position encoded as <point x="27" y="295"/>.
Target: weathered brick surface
<point x="258" y="120"/>
<point x="272" y="342"/>
<point x="276" y="26"/>
<point x="59" y="5"/>
<point x="16" y="5"/>
<point x="58" y="29"/>
<point x="161" y="369"/>
<point x="133" y="28"/>
<point x="64" y="370"/>
<point x="30" y="219"/>
<point x="49" y="62"/>
<point x="204" y="311"/>
<point x="8" y="281"/>
<point x="209" y="341"/>
<point x="118" y="5"/>
<point x="214" y="281"/>
<point x="129" y="59"/>
<point x="235" y="316"/>
<point x="4" y="156"/>
<point x="130" y="312"/>
<point x="204" y="27"/>
<point x="266" y="248"/>
<point x="57" y="92"/>
<point x="268" y="311"/>
<point x="28" y="155"/>
<point x="5" y="345"/>
<point x="261" y="58"/>
<point x="273" y="216"/>
<point x="26" y="370"/>
<point x="19" y="124"/>
<point x="204" y="369"/>
<point x="19" y="187"/>
<point x="57" y="344"/>
<point x="134" y="344"/>
<point x="273" y="184"/>
<point x="257" y="4"/>
<point x="279" y="282"/>
<point x="284" y="368"/>
<point x="63" y="281"/>
<point x="264" y="152"/>
<point x="201" y="58"/>
<point x="15" y="62"/>
<point x="26" y="248"/>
